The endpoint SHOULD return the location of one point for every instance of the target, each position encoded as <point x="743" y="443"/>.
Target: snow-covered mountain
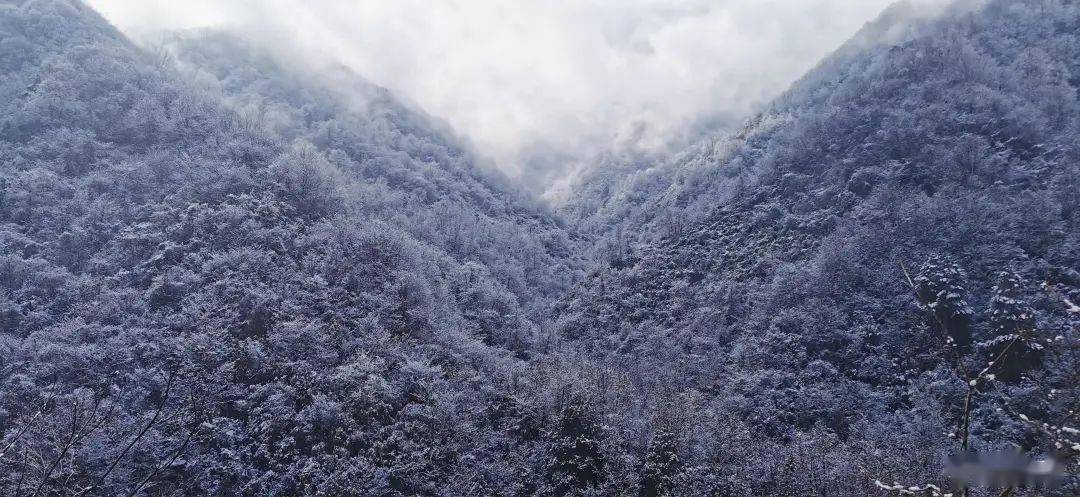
<point x="226" y="271"/>
<point x="260" y="267"/>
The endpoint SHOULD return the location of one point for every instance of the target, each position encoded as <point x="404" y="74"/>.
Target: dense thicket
<point x="229" y="272"/>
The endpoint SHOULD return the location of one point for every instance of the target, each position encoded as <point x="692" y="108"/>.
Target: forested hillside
<point x="233" y="280"/>
<point x="766" y="270"/>
<point x="967" y="123"/>
<point x="225" y="271"/>
<point x="411" y="172"/>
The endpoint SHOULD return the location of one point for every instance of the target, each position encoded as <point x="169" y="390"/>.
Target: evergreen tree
<point x="661" y="465"/>
<point x="1012" y="322"/>
<point x="577" y="460"/>
<point x="940" y="287"/>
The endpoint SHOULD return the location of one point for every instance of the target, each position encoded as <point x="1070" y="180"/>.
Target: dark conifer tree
<point x="661" y="465"/>
<point x="940" y="288"/>
<point x="1012" y="324"/>
<point x="577" y="460"/>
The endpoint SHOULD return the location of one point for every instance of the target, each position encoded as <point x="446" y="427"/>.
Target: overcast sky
<point x="518" y="77"/>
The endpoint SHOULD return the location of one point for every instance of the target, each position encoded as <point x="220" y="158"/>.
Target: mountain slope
<point x="766" y="269"/>
<point x="412" y="173"/>
<point x="194" y="300"/>
<point x="972" y="116"/>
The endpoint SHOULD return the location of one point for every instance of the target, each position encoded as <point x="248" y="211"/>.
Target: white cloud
<point x="569" y="75"/>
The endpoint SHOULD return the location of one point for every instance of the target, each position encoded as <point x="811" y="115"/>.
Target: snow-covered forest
<point x="222" y="274"/>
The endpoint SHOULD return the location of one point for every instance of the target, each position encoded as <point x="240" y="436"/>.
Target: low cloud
<point x="540" y="87"/>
